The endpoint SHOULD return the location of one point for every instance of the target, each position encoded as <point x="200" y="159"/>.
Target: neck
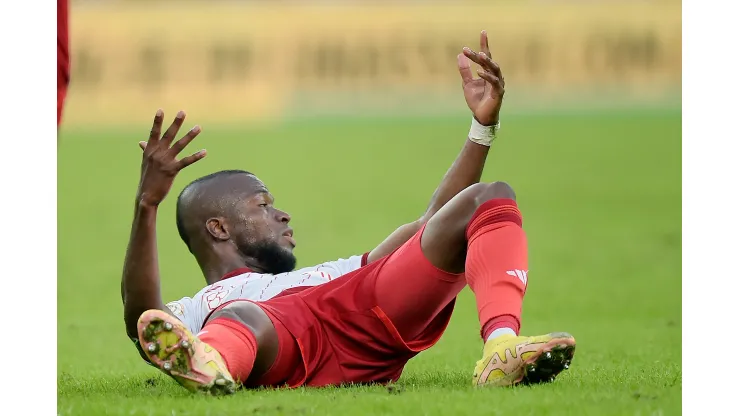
<point x="215" y="265"/>
<point x="215" y="271"/>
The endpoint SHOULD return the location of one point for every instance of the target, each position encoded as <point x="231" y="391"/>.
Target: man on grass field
<point x="259" y="322"/>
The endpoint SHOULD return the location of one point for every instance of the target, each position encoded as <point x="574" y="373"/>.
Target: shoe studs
<point x="548" y="355"/>
<point x="167" y="326"/>
<point x="185" y="344"/>
<point x="152" y="347"/>
<point x="531" y="368"/>
<point x="565" y="366"/>
<point x="167" y="366"/>
<point x="221" y="381"/>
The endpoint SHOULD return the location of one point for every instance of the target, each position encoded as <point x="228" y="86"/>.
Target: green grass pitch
<point x="601" y="198"/>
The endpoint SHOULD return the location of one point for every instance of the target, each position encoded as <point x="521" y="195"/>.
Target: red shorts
<point x="344" y="336"/>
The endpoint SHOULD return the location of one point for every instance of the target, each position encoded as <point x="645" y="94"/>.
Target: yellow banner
<point x="230" y="62"/>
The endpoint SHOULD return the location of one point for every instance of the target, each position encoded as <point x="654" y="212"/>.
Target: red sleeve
<point x="363" y="262"/>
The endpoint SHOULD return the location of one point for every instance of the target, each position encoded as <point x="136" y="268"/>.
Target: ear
<point x="218" y="228"/>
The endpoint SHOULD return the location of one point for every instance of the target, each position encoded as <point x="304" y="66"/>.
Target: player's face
<point x="261" y="231"/>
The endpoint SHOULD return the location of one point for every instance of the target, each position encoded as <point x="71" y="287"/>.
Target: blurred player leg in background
<point x="62" y="55"/>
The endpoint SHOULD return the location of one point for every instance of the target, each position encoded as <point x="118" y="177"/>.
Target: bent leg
<point x="411" y="291"/>
<point x="496" y="266"/>
<point x="249" y="341"/>
<point x="424" y="276"/>
<point x="444" y="242"/>
<point x="236" y="344"/>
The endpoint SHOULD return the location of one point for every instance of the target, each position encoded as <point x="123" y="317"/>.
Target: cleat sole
<point x="552" y="359"/>
<point x="173" y="355"/>
<point x="540" y="366"/>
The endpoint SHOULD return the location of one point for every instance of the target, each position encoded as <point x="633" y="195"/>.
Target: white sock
<point x="501" y="331"/>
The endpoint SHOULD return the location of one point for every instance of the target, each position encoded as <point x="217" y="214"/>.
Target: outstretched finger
<point x="477" y="57"/>
<point x="472" y="55"/>
<point x="171" y="132"/>
<point x="484" y="43"/>
<point x="156" y="126"/>
<point x="496" y="82"/>
<point x="483" y="60"/>
<point x="489" y="65"/>
<point x="189" y="160"/>
<point x="463" y="65"/>
<point x="185" y="140"/>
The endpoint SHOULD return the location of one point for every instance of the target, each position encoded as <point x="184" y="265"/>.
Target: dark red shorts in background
<point x="62" y="55"/>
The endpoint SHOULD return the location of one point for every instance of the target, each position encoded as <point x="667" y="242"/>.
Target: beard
<point x="273" y="258"/>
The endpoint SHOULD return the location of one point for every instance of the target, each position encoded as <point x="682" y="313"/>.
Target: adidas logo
<point x="519" y="274"/>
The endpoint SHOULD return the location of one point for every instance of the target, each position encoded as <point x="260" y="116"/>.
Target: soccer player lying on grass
<point x="357" y="320"/>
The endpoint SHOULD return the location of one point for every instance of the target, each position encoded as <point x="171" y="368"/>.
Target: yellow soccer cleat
<point x="509" y="360"/>
<point x="172" y="348"/>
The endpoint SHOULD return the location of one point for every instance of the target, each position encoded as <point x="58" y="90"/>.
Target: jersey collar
<point x="236" y="272"/>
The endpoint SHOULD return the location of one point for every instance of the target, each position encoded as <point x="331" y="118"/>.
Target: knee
<point x="455" y="215"/>
<point x="483" y="192"/>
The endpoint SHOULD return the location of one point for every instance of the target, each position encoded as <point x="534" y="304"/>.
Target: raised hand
<point x="484" y="95"/>
<point x="159" y="165"/>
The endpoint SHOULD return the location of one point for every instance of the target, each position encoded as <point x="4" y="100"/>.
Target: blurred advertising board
<point x="231" y="62"/>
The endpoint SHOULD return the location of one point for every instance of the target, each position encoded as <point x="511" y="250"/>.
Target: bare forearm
<point x="140" y="283"/>
<point x="465" y="171"/>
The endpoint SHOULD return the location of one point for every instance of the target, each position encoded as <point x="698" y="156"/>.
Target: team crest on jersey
<point x="176" y="308"/>
<point x="215" y="295"/>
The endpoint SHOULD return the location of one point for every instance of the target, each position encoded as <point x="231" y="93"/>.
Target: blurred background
<point x="351" y="112"/>
<point x="237" y="61"/>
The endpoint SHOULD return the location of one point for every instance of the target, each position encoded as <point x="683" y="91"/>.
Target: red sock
<point x="496" y="265"/>
<point x="236" y="344"/>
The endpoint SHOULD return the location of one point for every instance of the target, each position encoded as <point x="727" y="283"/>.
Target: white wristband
<point x="481" y="134"/>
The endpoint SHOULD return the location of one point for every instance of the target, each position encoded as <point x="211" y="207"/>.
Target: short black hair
<point x="200" y="181"/>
